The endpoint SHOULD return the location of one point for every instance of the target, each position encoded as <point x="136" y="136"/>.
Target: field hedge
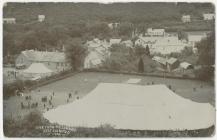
<point x="27" y="127"/>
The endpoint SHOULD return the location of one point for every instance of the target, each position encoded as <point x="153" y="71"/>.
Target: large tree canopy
<point x="75" y="52"/>
<point x="206" y="50"/>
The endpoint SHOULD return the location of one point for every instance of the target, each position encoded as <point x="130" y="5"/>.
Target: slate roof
<point x="44" y="56"/>
<point x="172" y="60"/>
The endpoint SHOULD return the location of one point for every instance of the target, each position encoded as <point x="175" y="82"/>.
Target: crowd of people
<point x="46" y="101"/>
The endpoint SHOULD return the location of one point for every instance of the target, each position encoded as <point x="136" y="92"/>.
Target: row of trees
<point x="123" y="58"/>
<point x="206" y="51"/>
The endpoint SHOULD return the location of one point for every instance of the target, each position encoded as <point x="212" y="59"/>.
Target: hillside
<point x="89" y="12"/>
<point x="88" y="20"/>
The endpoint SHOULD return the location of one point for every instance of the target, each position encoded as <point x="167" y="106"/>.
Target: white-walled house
<point x="144" y="41"/>
<point x="209" y="16"/>
<point x="98" y="50"/>
<point x="155" y="32"/>
<point x="9" y="20"/>
<point x="115" y="41"/>
<point x="113" y="25"/>
<point x="41" y="18"/>
<point x="193" y="38"/>
<point x="55" y="61"/>
<point x="95" y="57"/>
<point x="161" y="44"/>
<point x="93" y="60"/>
<point x="186" y="18"/>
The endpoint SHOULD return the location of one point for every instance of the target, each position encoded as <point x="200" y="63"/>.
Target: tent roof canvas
<point x="134" y="107"/>
<point x="37" y="68"/>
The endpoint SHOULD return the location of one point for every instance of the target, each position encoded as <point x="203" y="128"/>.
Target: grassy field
<point x="83" y="83"/>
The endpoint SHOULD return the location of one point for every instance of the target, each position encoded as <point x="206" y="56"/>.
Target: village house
<point x="94" y="59"/>
<point x="97" y="43"/>
<point x="186" y="18"/>
<point x="172" y="63"/>
<point x="162" y="45"/>
<point x="98" y="50"/>
<point x="144" y="41"/>
<point x="185" y="68"/>
<point x="195" y="38"/>
<point x="9" y="20"/>
<point x="160" y="61"/>
<point x="167" y="45"/>
<point x="186" y="65"/>
<point x="56" y="61"/>
<point x="155" y="32"/>
<point x="41" y="18"/>
<point x="167" y="64"/>
<point x="113" y="25"/>
<point x="115" y="41"/>
<point x="209" y="16"/>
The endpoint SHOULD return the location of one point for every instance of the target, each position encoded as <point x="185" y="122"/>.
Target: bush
<point x="25" y="127"/>
<point x="141" y="66"/>
<point x="205" y="73"/>
<point x="10" y="89"/>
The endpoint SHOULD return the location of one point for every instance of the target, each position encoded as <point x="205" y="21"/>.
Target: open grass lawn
<point x="84" y="82"/>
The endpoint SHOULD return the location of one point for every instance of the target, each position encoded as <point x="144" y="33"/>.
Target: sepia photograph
<point x="88" y="69"/>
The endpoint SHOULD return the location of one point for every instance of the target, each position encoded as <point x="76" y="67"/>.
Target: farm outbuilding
<point x="172" y="63"/>
<point x="186" y="65"/>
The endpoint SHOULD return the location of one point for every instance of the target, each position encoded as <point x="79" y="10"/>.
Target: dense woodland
<point x="65" y="13"/>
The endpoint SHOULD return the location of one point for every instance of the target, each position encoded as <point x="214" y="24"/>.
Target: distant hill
<point x="65" y="13"/>
<point x="64" y="21"/>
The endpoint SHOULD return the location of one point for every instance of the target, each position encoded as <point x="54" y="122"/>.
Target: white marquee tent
<point x="37" y="69"/>
<point x="134" y="107"/>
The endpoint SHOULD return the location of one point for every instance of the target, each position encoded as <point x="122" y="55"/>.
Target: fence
<point x="52" y="79"/>
<point x="161" y="75"/>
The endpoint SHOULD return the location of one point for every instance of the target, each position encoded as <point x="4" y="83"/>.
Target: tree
<point x="75" y="53"/>
<point x="147" y="51"/>
<point x="30" y="41"/>
<point x="140" y="50"/>
<point x="141" y="65"/>
<point x="182" y="35"/>
<point x="9" y="46"/>
<point x="206" y="50"/>
<point x="99" y="30"/>
<point x="125" y="29"/>
<point x="27" y="126"/>
<point x="205" y="73"/>
<point x="187" y="52"/>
